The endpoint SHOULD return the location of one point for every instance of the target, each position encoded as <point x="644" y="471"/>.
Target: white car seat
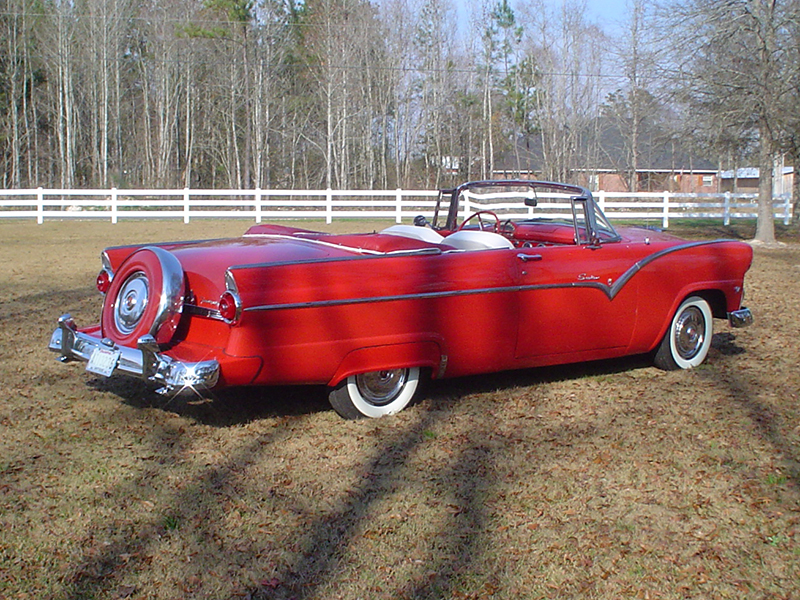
<point x="470" y="239"/>
<point x="423" y="234"/>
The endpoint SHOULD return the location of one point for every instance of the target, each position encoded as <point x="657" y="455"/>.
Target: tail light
<point x="229" y="306"/>
<point x="103" y="281"/>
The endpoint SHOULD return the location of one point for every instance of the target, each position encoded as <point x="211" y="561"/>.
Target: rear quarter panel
<point x="319" y="321"/>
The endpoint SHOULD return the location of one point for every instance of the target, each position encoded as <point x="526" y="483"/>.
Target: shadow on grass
<point x="238" y="406"/>
<point x="449" y="556"/>
<point x="769" y="423"/>
<point x="223" y="408"/>
<point x="104" y="568"/>
<point x="102" y="572"/>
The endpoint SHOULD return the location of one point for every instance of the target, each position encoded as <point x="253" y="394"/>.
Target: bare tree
<point x="634" y="104"/>
<point x="568" y="53"/>
<point x="734" y="68"/>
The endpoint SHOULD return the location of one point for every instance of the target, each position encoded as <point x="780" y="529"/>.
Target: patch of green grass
<point x="777" y="540"/>
<point x="171" y="522"/>
<point x="776" y="479"/>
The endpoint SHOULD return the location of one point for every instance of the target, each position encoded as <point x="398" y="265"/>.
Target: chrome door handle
<point x="529" y="257"/>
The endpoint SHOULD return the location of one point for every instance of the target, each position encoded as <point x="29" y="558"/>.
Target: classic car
<point x="506" y="275"/>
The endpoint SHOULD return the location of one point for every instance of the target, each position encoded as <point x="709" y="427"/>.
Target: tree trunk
<point x="765" y="229"/>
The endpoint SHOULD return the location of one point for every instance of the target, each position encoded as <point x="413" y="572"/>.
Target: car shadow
<point x="725" y="344"/>
<point x="237" y="406"/>
<point x="443" y="393"/>
<point x="223" y="408"/>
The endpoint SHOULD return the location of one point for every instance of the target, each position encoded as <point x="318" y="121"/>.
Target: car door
<point x="575" y="299"/>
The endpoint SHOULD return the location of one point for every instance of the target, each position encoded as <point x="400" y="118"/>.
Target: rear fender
<point x="392" y="356"/>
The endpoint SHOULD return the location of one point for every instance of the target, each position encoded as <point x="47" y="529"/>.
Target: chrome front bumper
<point x="143" y="362"/>
<point x="740" y="318"/>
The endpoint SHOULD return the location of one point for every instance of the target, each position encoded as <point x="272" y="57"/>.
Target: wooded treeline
<point x="396" y="93"/>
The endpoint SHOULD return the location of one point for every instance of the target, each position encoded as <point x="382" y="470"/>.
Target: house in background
<point x="698" y="181"/>
<point x="665" y="166"/>
<point x="746" y="180"/>
<point x="690" y="181"/>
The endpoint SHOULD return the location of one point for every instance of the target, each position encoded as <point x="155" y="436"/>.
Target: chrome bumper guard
<point x="740" y="318"/>
<point x="143" y="362"/>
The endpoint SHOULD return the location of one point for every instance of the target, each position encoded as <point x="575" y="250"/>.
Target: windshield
<point x="528" y="201"/>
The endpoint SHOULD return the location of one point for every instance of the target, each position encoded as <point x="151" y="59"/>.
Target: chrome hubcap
<point x="131" y="303"/>
<point x="379" y="388"/>
<point x="690" y="332"/>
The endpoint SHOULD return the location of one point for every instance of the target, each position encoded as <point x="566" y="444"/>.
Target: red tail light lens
<point x="103" y="281"/>
<point x="229" y="306"/>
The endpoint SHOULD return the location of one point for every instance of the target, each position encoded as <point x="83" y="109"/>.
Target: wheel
<point x="480" y="215"/>
<point x="374" y="394"/>
<point x="686" y="343"/>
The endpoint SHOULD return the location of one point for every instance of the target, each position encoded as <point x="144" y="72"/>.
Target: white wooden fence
<point x="115" y="204"/>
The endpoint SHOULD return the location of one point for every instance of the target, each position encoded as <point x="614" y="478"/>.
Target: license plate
<point x="103" y="361"/>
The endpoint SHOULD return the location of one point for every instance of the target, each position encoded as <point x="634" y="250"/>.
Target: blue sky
<point x="610" y="12"/>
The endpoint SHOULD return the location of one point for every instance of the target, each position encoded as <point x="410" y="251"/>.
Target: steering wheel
<point x="508" y="227"/>
<point x="480" y="214"/>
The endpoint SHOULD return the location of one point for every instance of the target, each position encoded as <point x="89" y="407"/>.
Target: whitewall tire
<point x="688" y="339"/>
<point x="375" y="394"/>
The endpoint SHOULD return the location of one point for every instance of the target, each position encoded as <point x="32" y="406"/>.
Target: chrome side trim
<point x="740" y="318"/>
<point x="142" y="362"/>
<point x="610" y="291"/>
<point x="201" y="311"/>
<point x="426" y="295"/>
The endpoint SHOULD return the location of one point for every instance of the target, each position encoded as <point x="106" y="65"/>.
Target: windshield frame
<point x="600" y="230"/>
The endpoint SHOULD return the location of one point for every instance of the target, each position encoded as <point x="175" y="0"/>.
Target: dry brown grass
<point x="608" y="480"/>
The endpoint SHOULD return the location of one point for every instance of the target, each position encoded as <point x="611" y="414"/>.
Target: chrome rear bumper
<point x="143" y="362"/>
<point x="740" y="318"/>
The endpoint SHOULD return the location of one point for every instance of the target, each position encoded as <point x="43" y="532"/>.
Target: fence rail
<point x="115" y="204"/>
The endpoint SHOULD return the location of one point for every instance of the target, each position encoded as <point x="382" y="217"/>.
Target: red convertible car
<point x="507" y="275"/>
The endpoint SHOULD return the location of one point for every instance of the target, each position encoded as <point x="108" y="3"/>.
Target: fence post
<point x="787" y="205"/>
<point x="665" y="217"/>
<point x="601" y="200"/>
<point x="113" y="205"/>
<point x="40" y="206"/>
<point x="258" y="205"/>
<point x="399" y="197"/>
<point x="329" y="206"/>
<point x="186" y="205"/>
<point x="726" y="211"/>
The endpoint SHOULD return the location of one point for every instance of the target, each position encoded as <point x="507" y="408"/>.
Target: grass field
<point x="606" y="480"/>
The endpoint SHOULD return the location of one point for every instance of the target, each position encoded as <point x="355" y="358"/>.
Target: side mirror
<point x="421" y="221"/>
